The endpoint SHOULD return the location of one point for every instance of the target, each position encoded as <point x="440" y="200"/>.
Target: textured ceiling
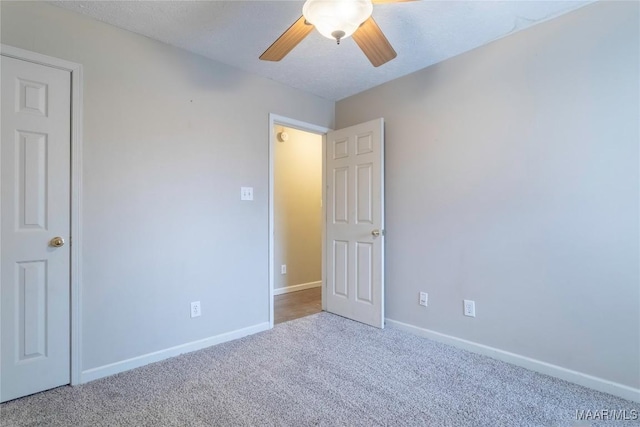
<point x="237" y="32"/>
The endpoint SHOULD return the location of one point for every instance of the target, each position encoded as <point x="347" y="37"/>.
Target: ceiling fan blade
<point x="373" y="43"/>
<point x="287" y="41"/>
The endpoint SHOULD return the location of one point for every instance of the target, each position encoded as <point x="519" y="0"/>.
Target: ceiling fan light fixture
<point x="337" y="19"/>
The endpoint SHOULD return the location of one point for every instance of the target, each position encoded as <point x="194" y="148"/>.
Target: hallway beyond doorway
<point x="294" y="305"/>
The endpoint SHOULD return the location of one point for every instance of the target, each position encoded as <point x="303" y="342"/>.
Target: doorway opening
<point x="297" y="238"/>
<point x="352" y="218"/>
<point x="297" y="216"/>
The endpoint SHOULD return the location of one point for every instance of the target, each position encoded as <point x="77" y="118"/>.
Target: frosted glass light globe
<point x="337" y="19"/>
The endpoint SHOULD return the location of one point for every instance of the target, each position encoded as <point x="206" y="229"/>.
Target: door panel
<point x="35" y="207"/>
<point x="364" y="272"/>
<point x="340" y="269"/>
<point x="341" y="194"/>
<point x="355" y="203"/>
<point x="364" y="194"/>
<point x="31" y="309"/>
<point x="31" y="171"/>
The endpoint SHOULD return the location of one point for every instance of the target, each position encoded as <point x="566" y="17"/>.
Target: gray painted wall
<point x="297" y="197"/>
<point x="169" y="139"/>
<point x="512" y="180"/>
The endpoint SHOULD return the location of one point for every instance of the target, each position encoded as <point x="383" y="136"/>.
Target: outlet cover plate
<point x="195" y="309"/>
<point x="469" y="308"/>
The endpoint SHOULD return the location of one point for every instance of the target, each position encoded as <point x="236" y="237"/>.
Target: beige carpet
<point x="320" y="370"/>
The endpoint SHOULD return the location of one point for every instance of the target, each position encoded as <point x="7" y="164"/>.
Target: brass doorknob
<point x="57" y="242"/>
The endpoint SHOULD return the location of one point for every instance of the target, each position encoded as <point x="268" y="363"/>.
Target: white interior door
<point x="35" y="208"/>
<point x="355" y="222"/>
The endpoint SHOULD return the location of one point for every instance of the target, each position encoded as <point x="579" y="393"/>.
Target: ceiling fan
<point x="337" y="19"/>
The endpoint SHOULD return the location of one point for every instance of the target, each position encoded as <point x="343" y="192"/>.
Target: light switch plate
<point x="424" y="298"/>
<point x="246" y="193"/>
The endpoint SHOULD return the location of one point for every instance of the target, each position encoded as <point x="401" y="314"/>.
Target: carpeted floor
<point x="319" y="370"/>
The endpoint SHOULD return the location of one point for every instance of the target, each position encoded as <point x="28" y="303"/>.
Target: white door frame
<point x="76" y="192"/>
<point x="274" y="120"/>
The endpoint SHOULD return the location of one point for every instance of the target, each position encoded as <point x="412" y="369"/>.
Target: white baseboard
<point x="295" y="288"/>
<point x="575" y="377"/>
<point x="156" y="356"/>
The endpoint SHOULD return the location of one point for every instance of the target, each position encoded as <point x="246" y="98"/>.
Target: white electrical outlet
<point x="424" y="298"/>
<point x="283" y="269"/>
<point x="246" y="193"/>
<point x="469" y="308"/>
<point x="195" y="309"/>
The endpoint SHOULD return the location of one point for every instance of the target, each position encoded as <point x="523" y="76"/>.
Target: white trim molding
<point x="296" y="288"/>
<point x="575" y="377"/>
<point x="156" y="356"/>
<point x="76" y="191"/>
